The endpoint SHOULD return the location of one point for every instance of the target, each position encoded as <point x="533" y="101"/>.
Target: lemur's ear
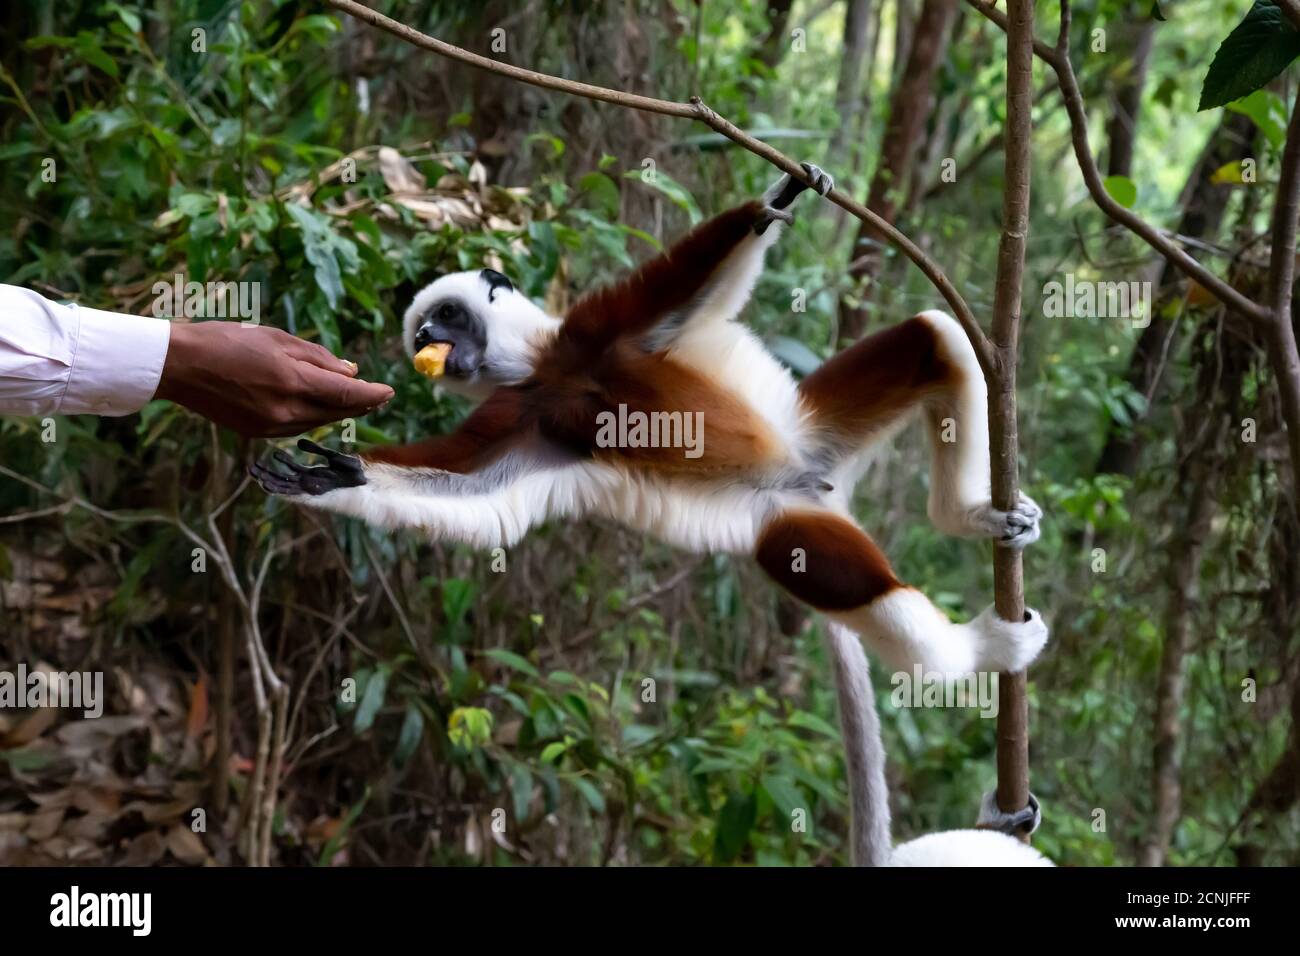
<point x="495" y="280"/>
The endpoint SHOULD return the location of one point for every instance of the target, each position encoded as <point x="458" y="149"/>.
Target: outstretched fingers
<point x="340" y="471"/>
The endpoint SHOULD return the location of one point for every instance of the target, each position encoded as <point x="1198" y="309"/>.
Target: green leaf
<point x="371" y="700"/>
<point x="317" y="246"/>
<point x="512" y="660"/>
<point x="469" y="727"/>
<point x="784" y="794"/>
<point x="734" y="823"/>
<point x="90" y="51"/>
<point x="602" y="191"/>
<point x="1258" y="49"/>
<point x="1267" y="111"/>
<point x="1122" y="189"/>
<point x="130" y="18"/>
<point x="1229" y="172"/>
<point x="801" y="718"/>
<point x="553" y="751"/>
<point x="657" y="179"/>
<point x="594" y="798"/>
<point x="409" y="736"/>
<point x="457" y="599"/>
<point x="521" y="790"/>
<point x="556" y="144"/>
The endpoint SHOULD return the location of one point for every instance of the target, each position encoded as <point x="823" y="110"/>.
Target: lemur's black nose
<point x="423" y="337"/>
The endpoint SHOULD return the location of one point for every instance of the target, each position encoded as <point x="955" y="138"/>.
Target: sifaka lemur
<point x="770" y="476"/>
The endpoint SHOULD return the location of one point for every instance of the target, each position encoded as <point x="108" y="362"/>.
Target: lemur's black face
<point x="453" y="322"/>
<point x="456" y="322"/>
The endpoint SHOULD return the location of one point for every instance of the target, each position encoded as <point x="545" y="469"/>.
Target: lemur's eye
<point x="447" y="312"/>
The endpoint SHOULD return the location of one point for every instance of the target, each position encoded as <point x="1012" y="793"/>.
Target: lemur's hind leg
<point x="825" y="560"/>
<point x="925" y="363"/>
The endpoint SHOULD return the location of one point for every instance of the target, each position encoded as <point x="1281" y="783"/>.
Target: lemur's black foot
<point x="342" y="471"/>
<point x="787" y="190"/>
<point x="1024" y="821"/>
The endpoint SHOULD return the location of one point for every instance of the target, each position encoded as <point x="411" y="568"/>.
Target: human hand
<point x="260" y="381"/>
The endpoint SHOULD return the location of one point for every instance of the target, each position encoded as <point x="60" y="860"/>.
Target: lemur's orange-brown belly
<point x="720" y="431"/>
<point x="645" y="410"/>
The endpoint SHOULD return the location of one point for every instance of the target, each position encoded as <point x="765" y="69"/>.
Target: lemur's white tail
<point x="864" y="756"/>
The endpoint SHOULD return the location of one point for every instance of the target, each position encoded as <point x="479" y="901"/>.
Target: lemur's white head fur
<point x="495" y="331"/>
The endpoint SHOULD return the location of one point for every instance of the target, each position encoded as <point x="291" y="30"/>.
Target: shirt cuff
<point x="118" y="363"/>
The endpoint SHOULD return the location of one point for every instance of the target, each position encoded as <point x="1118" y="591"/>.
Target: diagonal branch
<point x="1058" y="59"/>
<point x="696" y="110"/>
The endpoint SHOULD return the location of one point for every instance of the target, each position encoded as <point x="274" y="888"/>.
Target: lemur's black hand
<point x="342" y="471"/>
<point x="787" y="189"/>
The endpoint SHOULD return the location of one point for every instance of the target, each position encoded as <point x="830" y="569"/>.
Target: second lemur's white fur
<point x="872" y="844"/>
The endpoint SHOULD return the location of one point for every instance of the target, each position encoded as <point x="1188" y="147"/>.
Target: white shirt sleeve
<point x="70" y="360"/>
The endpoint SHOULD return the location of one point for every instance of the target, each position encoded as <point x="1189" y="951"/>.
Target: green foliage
<point x="1259" y="48"/>
<point x="1122" y="189"/>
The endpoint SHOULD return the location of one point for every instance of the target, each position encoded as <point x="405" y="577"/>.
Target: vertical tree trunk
<point x="1203" y="451"/>
<point x="1186" y="549"/>
<point x="904" y="31"/>
<point x="1008" y="575"/>
<point x="773" y="46"/>
<point x="909" y="106"/>
<point x="860" y="19"/>
<point x="1121" y="130"/>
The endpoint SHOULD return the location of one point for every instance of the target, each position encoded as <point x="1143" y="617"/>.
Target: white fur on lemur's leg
<point x="958" y="430"/>
<point x="904" y="628"/>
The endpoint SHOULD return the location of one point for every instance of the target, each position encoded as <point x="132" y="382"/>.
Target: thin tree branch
<point x="1283" y="353"/>
<point x="1008" y="570"/>
<point x="1286" y="213"/>
<point x="696" y="110"/>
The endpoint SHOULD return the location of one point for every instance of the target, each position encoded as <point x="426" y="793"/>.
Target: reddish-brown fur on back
<point x="867" y="385"/>
<point x="576" y="387"/>
<point x="597" y="362"/>
<point x="497" y="424"/>
<point x="663" y="284"/>
<point x="825" y="560"/>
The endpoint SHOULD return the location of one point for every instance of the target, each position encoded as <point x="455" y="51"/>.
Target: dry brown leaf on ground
<point x="197" y="718"/>
<point x="31" y="727"/>
<point x="186" y="846"/>
<point x="400" y="175"/>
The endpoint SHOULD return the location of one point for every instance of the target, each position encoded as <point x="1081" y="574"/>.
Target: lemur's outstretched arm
<point x="485" y="484"/>
<point x="490" y="508"/>
<point x="708" y="274"/>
